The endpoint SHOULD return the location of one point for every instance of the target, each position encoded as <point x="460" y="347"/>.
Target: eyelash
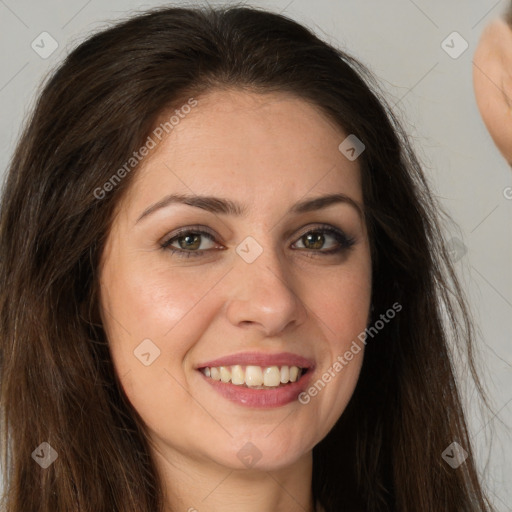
<point x="345" y="242"/>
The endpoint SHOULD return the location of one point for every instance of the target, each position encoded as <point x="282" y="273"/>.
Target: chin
<point x="262" y="453"/>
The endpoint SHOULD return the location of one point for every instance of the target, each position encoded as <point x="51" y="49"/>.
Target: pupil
<point x="316" y="239"/>
<point x="188" y="238"/>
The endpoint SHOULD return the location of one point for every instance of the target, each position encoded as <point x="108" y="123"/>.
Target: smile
<point x="255" y="377"/>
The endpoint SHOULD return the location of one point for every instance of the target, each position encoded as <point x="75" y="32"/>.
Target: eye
<point x="314" y="239"/>
<point x="189" y="241"/>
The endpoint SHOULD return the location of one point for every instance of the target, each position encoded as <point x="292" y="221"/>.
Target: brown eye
<point x="315" y="239"/>
<point x="189" y="242"/>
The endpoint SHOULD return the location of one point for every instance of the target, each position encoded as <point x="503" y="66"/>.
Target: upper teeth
<point x="254" y="376"/>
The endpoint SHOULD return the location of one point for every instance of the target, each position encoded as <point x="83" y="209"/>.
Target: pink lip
<point x="260" y="398"/>
<point x="260" y="359"/>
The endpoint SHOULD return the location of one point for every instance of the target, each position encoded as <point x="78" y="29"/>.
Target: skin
<point x="267" y="152"/>
<point x="492" y="82"/>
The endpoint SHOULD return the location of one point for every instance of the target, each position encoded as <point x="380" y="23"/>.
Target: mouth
<point x="255" y="377"/>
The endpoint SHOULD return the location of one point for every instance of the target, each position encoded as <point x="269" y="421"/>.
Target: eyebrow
<point x="223" y="206"/>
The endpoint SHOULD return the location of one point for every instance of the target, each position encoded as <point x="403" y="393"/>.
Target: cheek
<point x="342" y="301"/>
<point x="150" y="308"/>
<point x="148" y="300"/>
<point x="153" y="318"/>
<point x="342" y="306"/>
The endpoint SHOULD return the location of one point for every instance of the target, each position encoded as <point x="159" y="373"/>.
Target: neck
<point x="204" y="486"/>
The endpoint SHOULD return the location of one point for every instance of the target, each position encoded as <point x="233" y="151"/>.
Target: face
<point x="186" y="287"/>
<point x="492" y="80"/>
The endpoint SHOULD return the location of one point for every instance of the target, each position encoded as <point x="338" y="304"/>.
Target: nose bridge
<point x="263" y="291"/>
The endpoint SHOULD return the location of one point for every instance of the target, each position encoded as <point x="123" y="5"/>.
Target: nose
<point x="263" y="295"/>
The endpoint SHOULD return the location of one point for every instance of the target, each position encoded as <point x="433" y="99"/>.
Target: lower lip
<point x="261" y="398"/>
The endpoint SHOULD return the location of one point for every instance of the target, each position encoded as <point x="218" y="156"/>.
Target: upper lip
<point x="260" y="359"/>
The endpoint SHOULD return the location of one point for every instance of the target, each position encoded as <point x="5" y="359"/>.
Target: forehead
<point x="262" y="147"/>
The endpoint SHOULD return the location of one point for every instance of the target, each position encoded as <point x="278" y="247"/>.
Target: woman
<point x="223" y="284"/>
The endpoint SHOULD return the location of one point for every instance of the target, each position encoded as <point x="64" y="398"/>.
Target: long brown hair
<point x="58" y="384"/>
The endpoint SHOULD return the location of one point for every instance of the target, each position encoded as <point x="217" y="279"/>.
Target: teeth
<point x="255" y="376"/>
<point x="237" y="375"/>
<point x="272" y="376"/>
<point x="225" y="374"/>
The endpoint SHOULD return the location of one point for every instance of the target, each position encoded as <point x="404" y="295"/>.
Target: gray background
<point x="400" y="40"/>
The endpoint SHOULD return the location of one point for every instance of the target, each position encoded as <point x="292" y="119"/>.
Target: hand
<point x="492" y="82"/>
